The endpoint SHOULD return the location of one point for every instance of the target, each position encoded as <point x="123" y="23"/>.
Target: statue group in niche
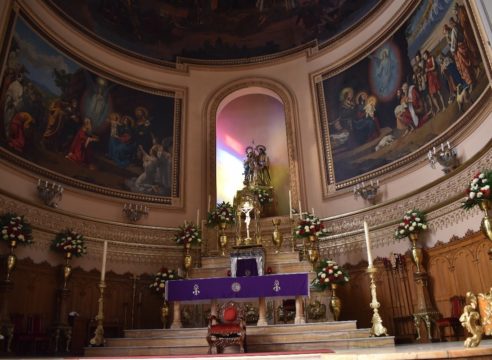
<point x="83" y="125"/>
<point x="256" y="166"/>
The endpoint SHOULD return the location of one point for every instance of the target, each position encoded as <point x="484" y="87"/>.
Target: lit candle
<point x="368" y="244"/>
<point x="197" y="217"/>
<point x="290" y="204"/>
<point x="103" y="267"/>
<point x="300" y="210"/>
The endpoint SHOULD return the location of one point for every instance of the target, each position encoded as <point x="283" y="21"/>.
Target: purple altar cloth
<point x="286" y="285"/>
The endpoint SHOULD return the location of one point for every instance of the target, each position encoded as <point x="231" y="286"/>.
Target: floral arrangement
<point x="223" y="213"/>
<point x="264" y="196"/>
<point x="159" y="284"/>
<point x="15" y="228"/>
<point x="413" y="222"/>
<point x="329" y="272"/>
<point x="310" y="225"/>
<point x="188" y="233"/>
<point x="478" y="190"/>
<point x="69" y="242"/>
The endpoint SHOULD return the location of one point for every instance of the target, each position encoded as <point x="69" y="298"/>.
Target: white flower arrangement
<point x="159" y="284"/>
<point x="15" y="228"/>
<point x="310" y="225"/>
<point x="188" y="233"/>
<point x="329" y="272"/>
<point x="69" y="242"/>
<point x="478" y="190"/>
<point x="413" y="222"/>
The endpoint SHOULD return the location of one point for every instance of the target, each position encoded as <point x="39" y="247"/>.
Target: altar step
<point x="283" y="262"/>
<point x="289" y="337"/>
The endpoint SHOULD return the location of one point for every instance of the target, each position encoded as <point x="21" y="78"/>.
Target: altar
<point x="239" y="288"/>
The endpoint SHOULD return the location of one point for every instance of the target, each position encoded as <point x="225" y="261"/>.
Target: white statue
<point x="246" y="209"/>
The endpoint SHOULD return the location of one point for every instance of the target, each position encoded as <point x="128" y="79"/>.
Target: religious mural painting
<point x="63" y="117"/>
<point x="403" y="95"/>
<point x="216" y="29"/>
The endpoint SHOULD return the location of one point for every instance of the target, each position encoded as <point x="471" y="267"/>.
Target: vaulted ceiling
<point x="213" y="29"/>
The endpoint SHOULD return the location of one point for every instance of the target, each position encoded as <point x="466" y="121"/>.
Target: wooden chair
<point x="453" y="321"/>
<point x="227" y="328"/>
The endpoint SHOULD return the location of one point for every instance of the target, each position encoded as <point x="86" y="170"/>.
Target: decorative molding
<point x="442" y="202"/>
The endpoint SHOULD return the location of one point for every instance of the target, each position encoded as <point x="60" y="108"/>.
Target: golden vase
<point x="417" y="254"/>
<point x="335" y="303"/>
<point x="164" y="313"/>
<point x="188" y="259"/>
<point x="11" y="260"/>
<point x="222" y="238"/>
<point x="277" y="237"/>
<point x="312" y="252"/>
<point x="67" y="269"/>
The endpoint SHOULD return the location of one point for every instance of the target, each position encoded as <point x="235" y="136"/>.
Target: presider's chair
<point x="227" y="328"/>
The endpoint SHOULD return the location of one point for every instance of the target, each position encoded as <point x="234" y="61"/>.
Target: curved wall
<point x="414" y="185"/>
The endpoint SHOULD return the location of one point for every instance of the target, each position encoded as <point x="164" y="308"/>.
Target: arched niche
<point x="258" y="110"/>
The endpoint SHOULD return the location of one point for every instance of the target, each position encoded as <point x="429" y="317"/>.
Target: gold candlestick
<point x="377" y="328"/>
<point x="293" y="237"/>
<point x="98" y="339"/>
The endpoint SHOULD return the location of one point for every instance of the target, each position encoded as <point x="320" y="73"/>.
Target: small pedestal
<point x="6" y="326"/>
<point x="424" y="310"/>
<point x="62" y="332"/>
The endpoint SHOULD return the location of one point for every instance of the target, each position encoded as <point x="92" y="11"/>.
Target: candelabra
<point x="49" y="192"/>
<point x="134" y="212"/>
<point x="98" y="339"/>
<point x="367" y="191"/>
<point x="446" y="156"/>
<point x="377" y="328"/>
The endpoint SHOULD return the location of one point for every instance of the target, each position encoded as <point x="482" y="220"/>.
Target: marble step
<point x="283" y="257"/>
<point x="298" y="267"/>
<point x="252" y="329"/>
<point x="253" y="339"/>
<point x="182" y="349"/>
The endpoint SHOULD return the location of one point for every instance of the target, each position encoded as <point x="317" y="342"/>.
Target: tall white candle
<point x="197" y="217"/>
<point x="368" y="244"/>
<point x="290" y="204"/>
<point x="300" y="210"/>
<point x="105" y="254"/>
<point x="312" y="211"/>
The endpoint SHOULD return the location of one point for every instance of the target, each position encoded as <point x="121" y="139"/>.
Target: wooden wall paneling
<point x="484" y="265"/>
<point x="356" y="297"/>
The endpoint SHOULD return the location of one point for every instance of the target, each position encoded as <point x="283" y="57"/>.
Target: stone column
<point x="300" y="318"/>
<point x="262" y="321"/>
<point x="176" y="316"/>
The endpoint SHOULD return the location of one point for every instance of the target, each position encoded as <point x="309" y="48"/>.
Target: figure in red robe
<point x="18" y="126"/>
<point x="81" y="150"/>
